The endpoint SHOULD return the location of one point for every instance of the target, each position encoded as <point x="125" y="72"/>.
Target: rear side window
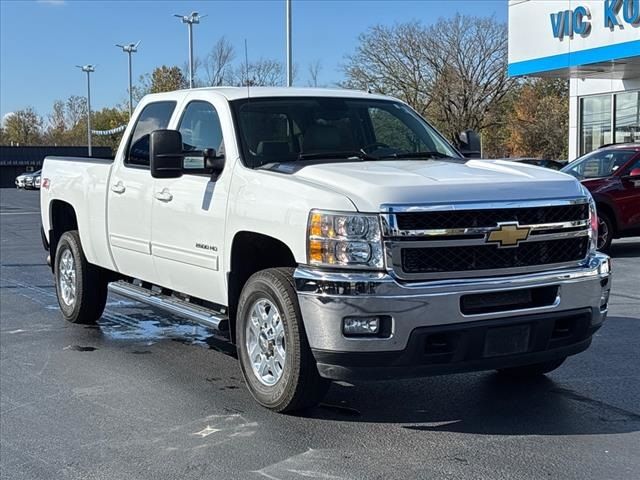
<point x="598" y="164"/>
<point x="154" y="116"/>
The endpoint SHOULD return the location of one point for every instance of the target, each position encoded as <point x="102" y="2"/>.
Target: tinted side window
<point x="153" y="117"/>
<point x="600" y="163"/>
<point x="200" y="128"/>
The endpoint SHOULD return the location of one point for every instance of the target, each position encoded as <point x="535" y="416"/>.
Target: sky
<point x="42" y="41"/>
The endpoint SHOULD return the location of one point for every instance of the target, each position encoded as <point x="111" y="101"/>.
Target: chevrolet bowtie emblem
<point x="508" y="235"/>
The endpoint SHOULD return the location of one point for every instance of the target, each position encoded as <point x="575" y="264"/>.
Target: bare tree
<point x="218" y="63"/>
<point x="197" y="65"/>
<point x="453" y="71"/>
<point x="262" y="72"/>
<point x="395" y="61"/>
<point x="75" y="111"/>
<point x="314" y="73"/>
<point x="470" y="56"/>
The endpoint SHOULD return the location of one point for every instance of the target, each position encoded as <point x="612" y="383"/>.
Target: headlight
<point x="344" y="240"/>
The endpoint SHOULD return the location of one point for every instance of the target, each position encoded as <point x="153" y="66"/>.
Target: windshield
<point x="598" y="164"/>
<point x="288" y="129"/>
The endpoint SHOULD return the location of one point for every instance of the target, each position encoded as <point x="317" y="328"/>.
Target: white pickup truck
<point x="334" y="234"/>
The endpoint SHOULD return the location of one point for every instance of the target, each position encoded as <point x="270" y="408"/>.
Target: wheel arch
<point x="62" y="218"/>
<point x="250" y="253"/>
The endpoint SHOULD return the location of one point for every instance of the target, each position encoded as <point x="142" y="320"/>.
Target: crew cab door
<point x="130" y="196"/>
<point x="189" y="212"/>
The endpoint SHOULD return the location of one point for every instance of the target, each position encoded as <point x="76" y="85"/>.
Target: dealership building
<point x="595" y="44"/>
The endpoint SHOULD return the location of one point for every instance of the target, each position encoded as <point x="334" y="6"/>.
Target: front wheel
<point x="276" y="361"/>
<point x="80" y="286"/>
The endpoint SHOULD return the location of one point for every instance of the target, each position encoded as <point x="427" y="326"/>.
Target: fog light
<point x="605" y="267"/>
<point x="361" y="326"/>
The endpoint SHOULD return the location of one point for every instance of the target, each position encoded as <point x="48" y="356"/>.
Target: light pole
<point x="129" y="49"/>
<point x="88" y="69"/>
<point x="289" y="55"/>
<point x="190" y="20"/>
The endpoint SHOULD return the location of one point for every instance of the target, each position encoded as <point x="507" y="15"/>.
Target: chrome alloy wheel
<point x="603" y="233"/>
<point x="67" y="277"/>
<point x="265" y="342"/>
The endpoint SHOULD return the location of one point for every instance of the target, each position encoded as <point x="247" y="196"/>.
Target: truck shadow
<point x="625" y="250"/>
<point x="480" y="403"/>
<point x="562" y="403"/>
<point x="484" y="404"/>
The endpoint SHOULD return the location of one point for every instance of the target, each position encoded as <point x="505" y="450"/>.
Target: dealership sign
<point x="578" y="21"/>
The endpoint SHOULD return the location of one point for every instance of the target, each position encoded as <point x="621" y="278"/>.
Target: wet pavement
<point x="145" y="395"/>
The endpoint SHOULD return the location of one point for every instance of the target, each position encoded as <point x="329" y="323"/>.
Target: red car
<point x="612" y="175"/>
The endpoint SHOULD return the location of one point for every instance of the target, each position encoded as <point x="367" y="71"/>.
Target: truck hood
<point x="371" y="184"/>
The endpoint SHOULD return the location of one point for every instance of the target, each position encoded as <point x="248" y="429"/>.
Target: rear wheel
<point x="534" y="370"/>
<point x="80" y="286"/>
<point x="276" y="361"/>
<point x="605" y="231"/>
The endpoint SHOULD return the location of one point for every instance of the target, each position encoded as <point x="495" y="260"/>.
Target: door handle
<point x="118" y="188"/>
<point x="164" y="195"/>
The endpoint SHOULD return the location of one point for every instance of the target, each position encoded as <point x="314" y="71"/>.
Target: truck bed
<point x="81" y="182"/>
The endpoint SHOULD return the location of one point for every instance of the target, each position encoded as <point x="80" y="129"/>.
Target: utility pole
<point x="192" y="19"/>
<point x="289" y="55"/>
<point x="129" y="49"/>
<point x="88" y="69"/>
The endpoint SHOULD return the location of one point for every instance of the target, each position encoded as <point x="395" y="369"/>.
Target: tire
<point x="532" y="371"/>
<point x="81" y="287"/>
<point x="605" y="226"/>
<point x="290" y="379"/>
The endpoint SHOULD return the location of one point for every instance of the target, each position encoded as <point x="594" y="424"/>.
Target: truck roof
<point x="237" y="93"/>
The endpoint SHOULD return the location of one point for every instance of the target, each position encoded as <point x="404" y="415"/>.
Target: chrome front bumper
<point x="326" y="298"/>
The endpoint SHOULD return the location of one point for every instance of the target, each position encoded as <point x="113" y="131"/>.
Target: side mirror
<point x="469" y="144"/>
<point x="213" y="162"/>
<point x="165" y="154"/>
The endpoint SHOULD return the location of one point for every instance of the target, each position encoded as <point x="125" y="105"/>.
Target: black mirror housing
<point x="213" y="161"/>
<point x="165" y="154"/>
<point x="469" y="144"/>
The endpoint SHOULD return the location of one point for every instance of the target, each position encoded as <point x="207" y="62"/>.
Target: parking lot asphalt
<point x="147" y="396"/>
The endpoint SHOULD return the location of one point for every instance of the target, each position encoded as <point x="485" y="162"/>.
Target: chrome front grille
<point x="469" y="240"/>
<point x="490" y="218"/>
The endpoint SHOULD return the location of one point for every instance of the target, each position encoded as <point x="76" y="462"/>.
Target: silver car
<point x="32" y="180"/>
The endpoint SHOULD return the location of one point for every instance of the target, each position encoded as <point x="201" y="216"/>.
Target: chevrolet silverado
<point x="334" y="234"/>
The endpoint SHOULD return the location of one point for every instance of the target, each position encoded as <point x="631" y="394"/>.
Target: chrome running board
<point x="195" y="313"/>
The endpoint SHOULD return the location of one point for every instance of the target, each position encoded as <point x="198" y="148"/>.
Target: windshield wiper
<point x="347" y="155"/>
<point x="431" y="154"/>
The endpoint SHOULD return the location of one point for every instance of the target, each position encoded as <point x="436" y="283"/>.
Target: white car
<point x="28" y="180"/>
<point x="334" y="234"/>
<point x="20" y="180"/>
